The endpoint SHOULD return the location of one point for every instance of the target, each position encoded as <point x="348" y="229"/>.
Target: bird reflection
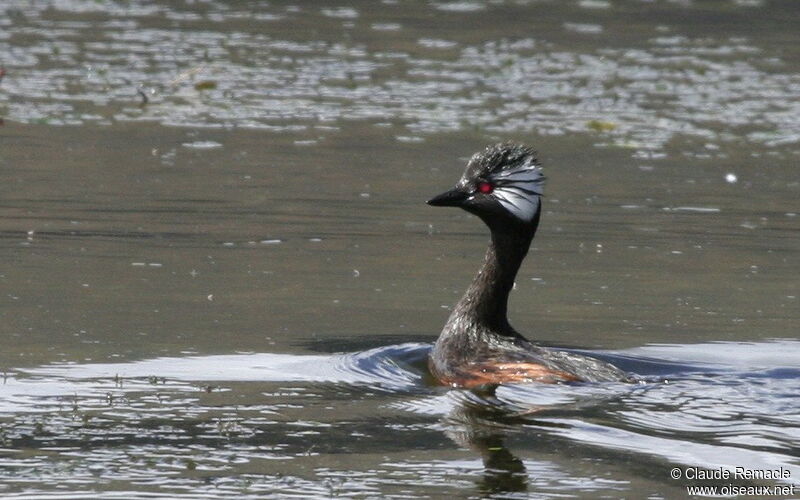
<point x="480" y="423"/>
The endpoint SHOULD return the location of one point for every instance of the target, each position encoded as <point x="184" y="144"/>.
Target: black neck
<point x="486" y="300"/>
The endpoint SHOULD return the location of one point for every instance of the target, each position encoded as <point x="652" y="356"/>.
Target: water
<point x="231" y="288"/>
<point x="367" y="423"/>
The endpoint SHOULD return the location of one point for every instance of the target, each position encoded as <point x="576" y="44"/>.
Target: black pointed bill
<point x="452" y="198"/>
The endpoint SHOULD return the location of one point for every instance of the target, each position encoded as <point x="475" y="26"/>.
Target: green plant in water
<point x="205" y="85"/>
<point x="601" y="126"/>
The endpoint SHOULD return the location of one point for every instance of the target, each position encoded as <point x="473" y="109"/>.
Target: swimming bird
<point x="503" y="186"/>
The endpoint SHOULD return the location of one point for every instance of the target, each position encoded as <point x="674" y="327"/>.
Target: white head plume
<point x="519" y="188"/>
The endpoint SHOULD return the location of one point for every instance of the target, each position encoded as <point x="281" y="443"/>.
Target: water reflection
<point x="734" y="410"/>
<point x="482" y="423"/>
<point x="503" y="472"/>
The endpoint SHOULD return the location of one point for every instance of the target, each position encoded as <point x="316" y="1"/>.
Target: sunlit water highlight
<point x="186" y="422"/>
<point x="212" y="64"/>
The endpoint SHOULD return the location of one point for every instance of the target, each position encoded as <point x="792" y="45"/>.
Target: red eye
<point x="485" y="187"/>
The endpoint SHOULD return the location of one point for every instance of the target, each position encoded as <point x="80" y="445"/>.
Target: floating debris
<point x="341" y="13"/>
<point x="385" y="26"/>
<point x="185" y="75"/>
<point x="708" y="210"/>
<point x="459" y="6"/>
<point x="145" y="99"/>
<point x="591" y="29"/>
<point x="594" y="4"/>
<point x="409" y="138"/>
<point x="601" y="126"/>
<point x="202" y="145"/>
<point x="205" y="85"/>
<point x="436" y="43"/>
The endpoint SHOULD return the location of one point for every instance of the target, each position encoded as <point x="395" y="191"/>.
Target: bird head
<point x="501" y="184"/>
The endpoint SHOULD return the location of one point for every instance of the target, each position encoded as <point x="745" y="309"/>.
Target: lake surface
<point x="219" y="276"/>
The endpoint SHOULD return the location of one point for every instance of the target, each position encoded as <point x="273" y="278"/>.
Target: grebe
<point x="503" y="186"/>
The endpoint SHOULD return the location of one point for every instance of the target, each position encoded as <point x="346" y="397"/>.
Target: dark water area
<point x="219" y="276"/>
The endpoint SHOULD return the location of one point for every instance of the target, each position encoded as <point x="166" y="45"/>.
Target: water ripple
<point x="733" y="407"/>
<point x="207" y="69"/>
